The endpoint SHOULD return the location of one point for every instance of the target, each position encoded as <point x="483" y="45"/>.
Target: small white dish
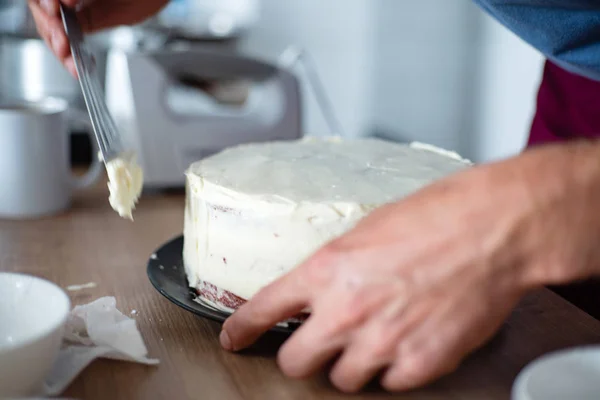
<point x="33" y="313"/>
<point x="572" y="374"/>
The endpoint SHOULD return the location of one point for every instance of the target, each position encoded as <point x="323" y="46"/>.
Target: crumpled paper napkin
<point x="92" y="331"/>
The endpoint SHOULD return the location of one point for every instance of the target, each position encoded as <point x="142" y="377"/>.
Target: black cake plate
<point x="167" y="275"/>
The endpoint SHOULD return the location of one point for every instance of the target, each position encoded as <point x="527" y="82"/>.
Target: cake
<point x="255" y="211"/>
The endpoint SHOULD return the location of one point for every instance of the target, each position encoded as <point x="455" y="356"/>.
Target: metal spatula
<point x="109" y="140"/>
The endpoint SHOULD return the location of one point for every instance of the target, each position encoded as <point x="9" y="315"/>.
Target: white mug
<point x="35" y="174"/>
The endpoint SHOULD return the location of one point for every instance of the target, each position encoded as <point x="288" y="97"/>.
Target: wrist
<point x="563" y="182"/>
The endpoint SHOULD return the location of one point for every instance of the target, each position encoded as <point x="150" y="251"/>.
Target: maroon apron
<point x="568" y="107"/>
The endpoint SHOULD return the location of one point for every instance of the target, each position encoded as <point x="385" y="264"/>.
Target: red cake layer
<point x="220" y="297"/>
<point x="229" y="300"/>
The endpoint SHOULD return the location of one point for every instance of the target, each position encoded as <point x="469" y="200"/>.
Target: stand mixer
<point x="178" y="105"/>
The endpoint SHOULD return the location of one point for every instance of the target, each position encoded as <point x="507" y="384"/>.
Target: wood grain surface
<point x="90" y="243"/>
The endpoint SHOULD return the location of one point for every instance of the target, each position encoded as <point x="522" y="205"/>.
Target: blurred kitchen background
<point x="436" y="71"/>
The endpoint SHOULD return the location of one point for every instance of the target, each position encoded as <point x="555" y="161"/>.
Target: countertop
<point x="91" y="243"/>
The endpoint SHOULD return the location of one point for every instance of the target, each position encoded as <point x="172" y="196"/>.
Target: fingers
<point x="434" y="348"/>
<point x="416" y="371"/>
<point x="282" y="299"/>
<point x="50" y="27"/>
<point x="374" y="347"/>
<point x="358" y="364"/>
<point x="50" y="7"/>
<point x="47" y="19"/>
<point x="339" y="316"/>
<point x="417" y="368"/>
<point x="309" y="348"/>
<point x="69" y="64"/>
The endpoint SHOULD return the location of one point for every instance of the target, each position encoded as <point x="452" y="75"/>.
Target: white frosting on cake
<point x="255" y="211"/>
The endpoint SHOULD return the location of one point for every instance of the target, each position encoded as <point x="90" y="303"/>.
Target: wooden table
<point x="90" y="243"/>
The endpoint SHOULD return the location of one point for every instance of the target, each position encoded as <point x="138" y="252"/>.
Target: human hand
<point x="419" y="284"/>
<point x="93" y="15"/>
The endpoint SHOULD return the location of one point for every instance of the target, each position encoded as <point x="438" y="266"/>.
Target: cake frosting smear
<point x="125" y="181"/>
<point x="255" y="211"/>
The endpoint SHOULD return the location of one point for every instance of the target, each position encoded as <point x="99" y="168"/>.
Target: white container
<point x="571" y="374"/>
<point x="33" y="313"/>
<point x="35" y="173"/>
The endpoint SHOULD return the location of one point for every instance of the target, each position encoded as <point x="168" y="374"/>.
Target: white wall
<point x="424" y="63"/>
<point x="509" y="81"/>
<point x="437" y="71"/>
<point x="336" y="34"/>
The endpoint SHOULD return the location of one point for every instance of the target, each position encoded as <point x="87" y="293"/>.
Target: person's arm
<point x="419" y="284"/>
<point x="565" y="31"/>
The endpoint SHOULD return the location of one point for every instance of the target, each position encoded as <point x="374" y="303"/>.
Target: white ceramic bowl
<point x="571" y="374"/>
<point x="33" y="313"/>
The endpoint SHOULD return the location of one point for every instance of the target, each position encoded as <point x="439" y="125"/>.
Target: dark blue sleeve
<point x="566" y="31"/>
